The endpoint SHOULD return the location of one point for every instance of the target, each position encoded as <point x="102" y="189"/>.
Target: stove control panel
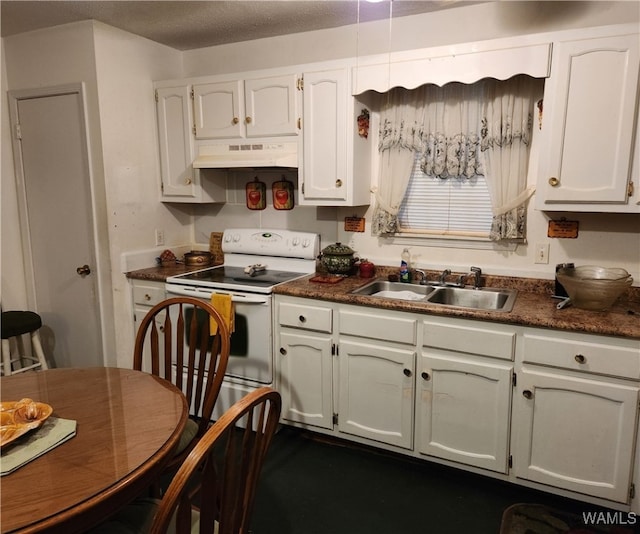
<point x="263" y="242"/>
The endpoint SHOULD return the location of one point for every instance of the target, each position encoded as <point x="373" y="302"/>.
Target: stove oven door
<point x="251" y="358"/>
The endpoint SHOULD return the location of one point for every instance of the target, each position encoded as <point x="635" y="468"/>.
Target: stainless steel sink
<point x="394" y="290"/>
<point x="485" y="298"/>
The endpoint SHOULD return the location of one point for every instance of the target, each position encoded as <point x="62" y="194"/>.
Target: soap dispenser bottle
<point x="405" y="275"/>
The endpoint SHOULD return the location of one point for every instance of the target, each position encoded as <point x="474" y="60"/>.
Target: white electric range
<point x="255" y="261"/>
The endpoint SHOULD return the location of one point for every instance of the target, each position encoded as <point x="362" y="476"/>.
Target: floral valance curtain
<point x="459" y="131"/>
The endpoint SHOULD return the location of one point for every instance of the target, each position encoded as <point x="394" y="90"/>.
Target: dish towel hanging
<point x="223" y="304"/>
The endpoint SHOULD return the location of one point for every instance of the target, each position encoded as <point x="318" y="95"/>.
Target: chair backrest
<point x="174" y="342"/>
<point x="225" y="466"/>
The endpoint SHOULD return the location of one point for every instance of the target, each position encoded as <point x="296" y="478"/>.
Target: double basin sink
<point x="485" y="298"/>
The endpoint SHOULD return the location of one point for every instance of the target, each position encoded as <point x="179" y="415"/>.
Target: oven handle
<point x="205" y="294"/>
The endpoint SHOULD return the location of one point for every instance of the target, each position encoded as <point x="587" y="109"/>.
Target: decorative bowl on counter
<point x="338" y="258"/>
<point x="594" y="288"/>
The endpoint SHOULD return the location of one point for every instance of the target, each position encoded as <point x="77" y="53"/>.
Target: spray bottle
<point x="405" y="275"/>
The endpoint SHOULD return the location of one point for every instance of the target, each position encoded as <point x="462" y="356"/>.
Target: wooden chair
<point x="214" y="489"/>
<point x="174" y="343"/>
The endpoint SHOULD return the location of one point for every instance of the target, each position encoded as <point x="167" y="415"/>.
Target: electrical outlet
<point x="542" y="253"/>
<point x="159" y="237"/>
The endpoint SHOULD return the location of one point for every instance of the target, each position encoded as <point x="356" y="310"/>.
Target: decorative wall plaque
<point x="354" y="224"/>
<point x="563" y="229"/>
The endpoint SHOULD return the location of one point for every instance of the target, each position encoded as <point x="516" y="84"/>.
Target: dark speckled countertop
<point x="160" y="274"/>
<point x="533" y="306"/>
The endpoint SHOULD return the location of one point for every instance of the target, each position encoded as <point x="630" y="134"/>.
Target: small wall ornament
<point x="363" y="123"/>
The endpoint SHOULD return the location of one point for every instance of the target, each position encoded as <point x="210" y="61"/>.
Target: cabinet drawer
<point x="472" y="340"/>
<point x="149" y="295"/>
<point x="587" y="355"/>
<point x="307" y="317"/>
<point x="378" y="326"/>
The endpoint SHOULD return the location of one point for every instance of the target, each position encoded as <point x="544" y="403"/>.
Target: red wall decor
<point x="282" y="194"/>
<point x="256" y="195"/>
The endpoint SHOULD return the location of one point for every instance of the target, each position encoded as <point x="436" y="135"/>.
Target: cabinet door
<point x="575" y="433"/>
<point x="376" y="392"/>
<point x="218" y="109"/>
<point x="588" y="124"/>
<point x="173" y="107"/>
<point x="271" y="106"/>
<point x="325" y="136"/>
<point x="305" y="378"/>
<point x="463" y="410"/>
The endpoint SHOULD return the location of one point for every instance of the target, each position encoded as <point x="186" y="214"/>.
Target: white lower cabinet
<point x="463" y="404"/>
<point x="304" y="348"/>
<point x="575" y="433"/>
<point x="350" y="385"/>
<point x="376" y="359"/>
<point x="463" y="410"/>
<point x="145" y="295"/>
<point x="553" y="410"/>
<point x="577" y="421"/>
<point x="376" y="392"/>
<point x="306" y="378"/>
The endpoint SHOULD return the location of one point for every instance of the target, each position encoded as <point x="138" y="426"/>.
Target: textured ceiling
<point x="186" y="25"/>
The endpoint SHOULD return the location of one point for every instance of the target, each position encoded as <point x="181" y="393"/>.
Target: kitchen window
<point x="433" y="207"/>
<point x="454" y="159"/>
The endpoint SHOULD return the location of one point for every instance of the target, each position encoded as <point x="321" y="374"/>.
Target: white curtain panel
<point x="400" y="136"/>
<point x="508" y="115"/>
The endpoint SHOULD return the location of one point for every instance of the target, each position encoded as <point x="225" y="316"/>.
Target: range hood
<point x="250" y="155"/>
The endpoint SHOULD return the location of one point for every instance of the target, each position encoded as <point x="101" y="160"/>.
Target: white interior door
<point x="52" y="170"/>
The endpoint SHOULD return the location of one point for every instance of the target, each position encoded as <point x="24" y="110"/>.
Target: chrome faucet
<point x="445" y="273"/>
<point x="477" y="273"/>
<point x="423" y="277"/>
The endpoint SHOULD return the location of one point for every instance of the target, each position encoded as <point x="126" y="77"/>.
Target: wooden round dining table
<point x="128" y="425"/>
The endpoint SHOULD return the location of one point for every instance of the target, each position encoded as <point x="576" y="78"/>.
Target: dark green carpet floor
<point x="313" y="485"/>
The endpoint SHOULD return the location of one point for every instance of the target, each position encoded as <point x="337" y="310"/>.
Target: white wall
<point x="13" y="290"/>
<point x="117" y="69"/>
<point x="464" y="24"/>
<point x="126" y="66"/>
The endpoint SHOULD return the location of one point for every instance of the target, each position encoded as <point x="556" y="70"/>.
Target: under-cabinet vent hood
<point x="247" y="155"/>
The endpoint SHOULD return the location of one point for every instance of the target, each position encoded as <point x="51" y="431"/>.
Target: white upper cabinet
<point x="328" y="174"/>
<point x="173" y="106"/>
<point x="261" y="107"/>
<point x="218" y="110"/>
<point x="589" y="119"/>
<point x="179" y="181"/>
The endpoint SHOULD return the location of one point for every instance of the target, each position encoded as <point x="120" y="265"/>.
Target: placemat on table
<point x="52" y="433"/>
<point x="327" y="279"/>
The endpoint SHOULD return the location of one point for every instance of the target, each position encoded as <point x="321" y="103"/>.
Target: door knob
<point x="84" y="270"/>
